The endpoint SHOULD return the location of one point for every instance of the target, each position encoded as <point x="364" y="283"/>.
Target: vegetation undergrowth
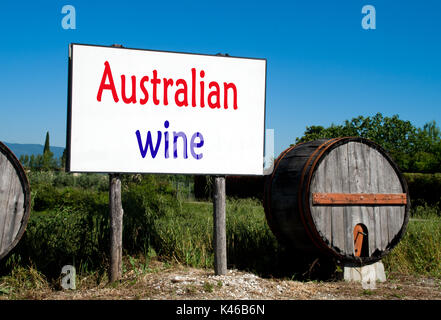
<point x="69" y="225"/>
<point x="419" y="252"/>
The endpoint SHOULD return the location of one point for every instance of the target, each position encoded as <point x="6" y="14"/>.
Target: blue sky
<point x="323" y="67"/>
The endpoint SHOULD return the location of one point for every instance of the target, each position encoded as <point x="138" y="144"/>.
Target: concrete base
<point x="368" y="275"/>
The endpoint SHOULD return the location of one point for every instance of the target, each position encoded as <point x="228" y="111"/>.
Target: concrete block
<point x="368" y="275"/>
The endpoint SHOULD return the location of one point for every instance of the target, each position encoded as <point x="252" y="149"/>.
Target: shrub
<point x="65" y="236"/>
<point x="71" y="225"/>
<point x="90" y="181"/>
<point x="49" y="198"/>
<point x="424" y="188"/>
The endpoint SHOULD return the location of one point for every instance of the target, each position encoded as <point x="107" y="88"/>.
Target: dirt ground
<point x="179" y="282"/>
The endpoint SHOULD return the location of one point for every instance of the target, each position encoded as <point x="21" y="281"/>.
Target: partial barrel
<point x="344" y="197"/>
<point x="15" y="200"/>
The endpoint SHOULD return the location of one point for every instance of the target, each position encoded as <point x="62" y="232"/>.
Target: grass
<point x="181" y="232"/>
<point x="251" y="245"/>
<point x="187" y="237"/>
<point x="208" y="287"/>
<point x="23" y="283"/>
<point x="367" y="292"/>
<point x="419" y="252"/>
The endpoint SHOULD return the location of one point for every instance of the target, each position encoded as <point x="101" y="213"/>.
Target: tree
<point x="48" y="162"/>
<point x="63" y="159"/>
<point x="413" y="149"/>
<point x="46" y="143"/>
<point x="427" y="157"/>
<point x="45" y="161"/>
<point x="32" y="162"/>
<point x="24" y="159"/>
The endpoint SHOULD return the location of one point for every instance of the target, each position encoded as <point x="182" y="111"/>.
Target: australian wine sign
<point x="144" y="111"/>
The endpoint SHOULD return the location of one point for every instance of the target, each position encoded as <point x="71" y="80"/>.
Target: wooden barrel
<point x="344" y="197"/>
<point x="15" y="200"/>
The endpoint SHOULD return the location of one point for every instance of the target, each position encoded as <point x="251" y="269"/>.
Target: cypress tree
<point x="46" y="144"/>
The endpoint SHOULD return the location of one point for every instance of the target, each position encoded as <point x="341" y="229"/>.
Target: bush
<point x="65" y="236"/>
<point x="71" y="225"/>
<point x="91" y="181"/>
<point x="424" y="188"/>
<point x="49" y="198"/>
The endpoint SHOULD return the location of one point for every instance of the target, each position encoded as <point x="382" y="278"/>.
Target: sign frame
<point x="69" y="110"/>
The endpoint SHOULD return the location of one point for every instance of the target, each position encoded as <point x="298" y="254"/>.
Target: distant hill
<point x="32" y="149"/>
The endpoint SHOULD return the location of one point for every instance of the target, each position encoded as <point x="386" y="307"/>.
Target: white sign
<point x="139" y="111"/>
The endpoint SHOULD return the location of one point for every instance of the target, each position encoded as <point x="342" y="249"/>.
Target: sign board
<point x="141" y="111"/>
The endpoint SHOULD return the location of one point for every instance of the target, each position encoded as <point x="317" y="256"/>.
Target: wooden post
<point x="219" y="233"/>
<point x="116" y="221"/>
<point x="116" y="224"/>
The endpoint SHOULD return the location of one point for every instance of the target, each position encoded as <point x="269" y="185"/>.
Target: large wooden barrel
<point x="344" y="197"/>
<point x="15" y="200"/>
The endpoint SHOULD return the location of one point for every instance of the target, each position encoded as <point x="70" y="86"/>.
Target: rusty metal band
<point x="379" y="199"/>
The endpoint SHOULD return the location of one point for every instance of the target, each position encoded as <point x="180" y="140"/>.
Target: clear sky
<point x="323" y="67"/>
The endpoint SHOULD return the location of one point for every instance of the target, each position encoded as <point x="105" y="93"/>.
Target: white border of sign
<point x="77" y="127"/>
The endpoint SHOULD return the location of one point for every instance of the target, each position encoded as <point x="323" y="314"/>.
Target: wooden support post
<point x="219" y="233"/>
<point x="116" y="224"/>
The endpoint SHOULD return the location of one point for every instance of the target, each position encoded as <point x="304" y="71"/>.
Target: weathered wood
<point x="383" y="234"/>
<point x="281" y="196"/>
<point x="341" y="214"/>
<point x="365" y="218"/>
<point x="320" y="190"/>
<point x="355" y="186"/>
<point x="14" y="200"/>
<point x="321" y="216"/>
<point x="396" y="216"/>
<point x="374" y="211"/>
<point x="219" y="227"/>
<point x="116" y="225"/>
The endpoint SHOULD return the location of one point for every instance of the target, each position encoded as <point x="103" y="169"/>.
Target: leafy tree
<point x="413" y="149"/>
<point x="24" y="159"/>
<point x="42" y="162"/>
<point x="427" y="157"/>
<point x="48" y="162"/>
<point x="32" y="162"/>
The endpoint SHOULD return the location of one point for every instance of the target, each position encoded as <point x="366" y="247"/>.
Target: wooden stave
<point x="27" y="197"/>
<point x="277" y="223"/>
